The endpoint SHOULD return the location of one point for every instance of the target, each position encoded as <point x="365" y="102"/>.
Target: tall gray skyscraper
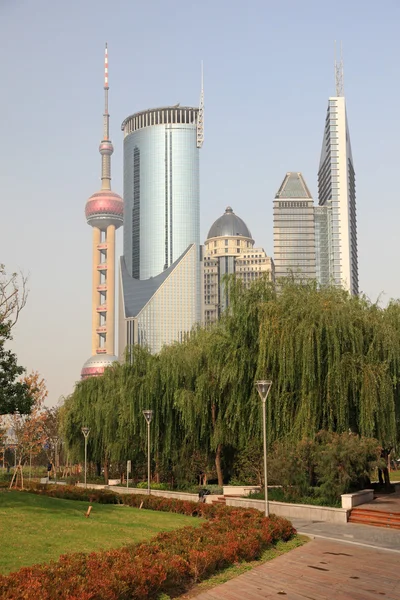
<point x="338" y="258"/>
<point x="160" y="269"/>
<point x="294" y="233"/>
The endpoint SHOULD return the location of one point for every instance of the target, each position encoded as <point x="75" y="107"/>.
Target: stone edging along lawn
<point x="307" y="512"/>
<point x="169" y="563"/>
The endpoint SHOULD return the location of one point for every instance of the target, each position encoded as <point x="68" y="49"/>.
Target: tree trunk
<point x="386" y="477"/>
<point x="219" y="447"/>
<point x="380" y="477"/>
<point x="218" y="465"/>
<point x="385" y="480"/>
<point x="106" y="472"/>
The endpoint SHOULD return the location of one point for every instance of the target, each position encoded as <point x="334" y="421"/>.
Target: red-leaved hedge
<point x="169" y="563"/>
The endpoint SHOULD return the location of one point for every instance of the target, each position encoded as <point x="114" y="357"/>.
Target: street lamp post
<point x="85" y="431"/>
<point x="148" y="415"/>
<point x="263" y="387"/>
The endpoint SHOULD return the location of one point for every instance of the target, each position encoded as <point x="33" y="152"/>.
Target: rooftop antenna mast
<point x="339" y="74"/>
<point x="106" y="131"/>
<point x="106" y="148"/>
<point x="200" y="118"/>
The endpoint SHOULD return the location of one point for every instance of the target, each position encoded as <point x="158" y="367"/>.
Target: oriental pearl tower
<point x="104" y="213"/>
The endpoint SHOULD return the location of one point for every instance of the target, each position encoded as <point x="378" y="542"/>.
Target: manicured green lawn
<point x="36" y="529"/>
<point x="394" y="475"/>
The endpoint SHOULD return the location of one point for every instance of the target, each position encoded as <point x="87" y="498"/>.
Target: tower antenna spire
<point x="339" y="73"/>
<point x="106" y="148"/>
<point x="200" y="118"/>
<point x="106" y="131"/>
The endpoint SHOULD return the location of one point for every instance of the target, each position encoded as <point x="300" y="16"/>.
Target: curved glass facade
<point x="161" y="188"/>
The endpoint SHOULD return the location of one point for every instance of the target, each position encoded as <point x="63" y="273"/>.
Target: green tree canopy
<point x="14" y="394"/>
<point x="334" y="361"/>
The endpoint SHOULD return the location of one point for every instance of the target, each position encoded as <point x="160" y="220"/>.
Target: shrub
<point x="154" y="486"/>
<point x="316" y="470"/>
<point x="169" y="563"/>
<point x="344" y="462"/>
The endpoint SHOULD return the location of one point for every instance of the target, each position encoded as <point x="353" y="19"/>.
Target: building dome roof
<point x="97" y="364"/>
<point x="229" y="225"/>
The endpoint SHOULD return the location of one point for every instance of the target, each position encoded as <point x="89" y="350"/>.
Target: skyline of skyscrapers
<point x="330" y="227"/>
<point x="164" y="287"/>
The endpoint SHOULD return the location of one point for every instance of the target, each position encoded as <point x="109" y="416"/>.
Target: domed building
<point x="229" y="249"/>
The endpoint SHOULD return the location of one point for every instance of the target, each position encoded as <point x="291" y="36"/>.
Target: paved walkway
<point x="353" y="533"/>
<point x="385" y="502"/>
<point x="320" y="570"/>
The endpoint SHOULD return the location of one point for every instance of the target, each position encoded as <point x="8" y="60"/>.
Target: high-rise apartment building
<point x="229" y="250"/>
<point x="294" y="231"/>
<point x="337" y="196"/>
<point x="160" y="269"/>
<point x="104" y="213"/>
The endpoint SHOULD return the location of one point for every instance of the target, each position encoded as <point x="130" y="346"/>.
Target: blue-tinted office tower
<point x="160" y="269"/>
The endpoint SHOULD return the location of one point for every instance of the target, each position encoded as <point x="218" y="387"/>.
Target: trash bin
<point x="202" y="495"/>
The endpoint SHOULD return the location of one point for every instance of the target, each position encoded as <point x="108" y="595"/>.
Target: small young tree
<point x="29" y="430"/>
<point x="14" y="394"/>
<point x="13" y="295"/>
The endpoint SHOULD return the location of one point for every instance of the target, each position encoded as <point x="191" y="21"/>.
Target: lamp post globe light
<point x="263" y="387"/>
<point x="148" y="415"/>
<point x="85" y="431"/>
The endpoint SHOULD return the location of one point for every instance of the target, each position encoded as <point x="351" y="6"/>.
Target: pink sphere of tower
<point x="96" y="365"/>
<point x="105" y="208"/>
<point x="106" y="147"/>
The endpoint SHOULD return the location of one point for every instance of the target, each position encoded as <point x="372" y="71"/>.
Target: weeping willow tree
<point x="334" y="361"/>
<point x="111" y="407"/>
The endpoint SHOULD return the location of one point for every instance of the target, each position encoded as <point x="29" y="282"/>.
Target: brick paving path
<point x="385" y="502"/>
<point x="319" y="570"/>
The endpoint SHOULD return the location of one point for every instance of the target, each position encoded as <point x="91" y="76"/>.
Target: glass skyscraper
<point x="294" y="231"/>
<point x="337" y="195"/>
<point x="160" y="269"/>
<point x="161" y="188"/>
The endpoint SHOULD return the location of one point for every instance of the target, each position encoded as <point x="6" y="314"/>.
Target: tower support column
<point x="95" y="293"/>
<point x="110" y="340"/>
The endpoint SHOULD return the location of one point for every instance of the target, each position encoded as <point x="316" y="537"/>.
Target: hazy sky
<point x="268" y="75"/>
